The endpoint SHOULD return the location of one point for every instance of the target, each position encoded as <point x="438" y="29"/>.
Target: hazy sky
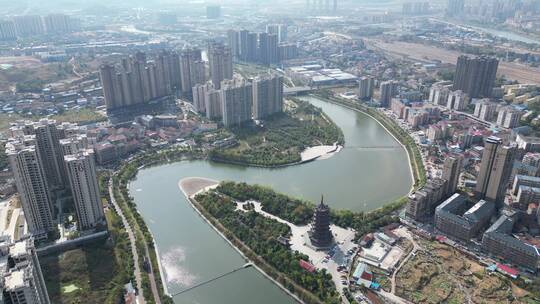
<point x="17" y="7"/>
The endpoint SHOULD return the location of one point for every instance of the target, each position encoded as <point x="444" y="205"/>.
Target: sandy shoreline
<point x="313" y="153"/>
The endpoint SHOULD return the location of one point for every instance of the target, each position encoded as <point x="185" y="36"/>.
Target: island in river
<point x="301" y="133"/>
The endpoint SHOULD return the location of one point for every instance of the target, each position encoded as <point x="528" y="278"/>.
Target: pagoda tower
<point x="320" y="234"/>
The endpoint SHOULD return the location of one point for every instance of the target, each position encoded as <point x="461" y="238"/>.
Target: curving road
<point x="131" y="236"/>
<point x="135" y="254"/>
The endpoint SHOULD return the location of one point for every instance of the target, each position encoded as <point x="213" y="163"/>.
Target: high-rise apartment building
<point x="192" y="69"/>
<point x="268" y="50"/>
<point x="29" y="25"/>
<point x="73" y="144"/>
<point x="389" y="89"/>
<point x="31" y="180"/>
<point x="7" y="30"/>
<point x="243" y="44"/>
<point x="451" y="171"/>
<point x="212" y="100"/>
<point x="83" y="181"/>
<point x="236" y="102"/>
<point x="422" y="202"/>
<point x="60" y="23"/>
<point x="48" y="146"/>
<point x="107" y="75"/>
<point x="263" y="48"/>
<point x="273" y="49"/>
<point x="252" y="47"/>
<point x="415" y="8"/>
<point x="21" y="277"/>
<point x="476" y="76"/>
<point x="495" y="170"/>
<point x="139" y="81"/>
<point x="365" y="87"/>
<point x="267" y="96"/>
<point x="199" y="95"/>
<point x="213" y="12"/>
<point x="220" y="63"/>
<point x="278" y="29"/>
<point x="233" y="38"/>
<point x="322" y="5"/>
<point x="455" y="8"/>
<point x="287" y="51"/>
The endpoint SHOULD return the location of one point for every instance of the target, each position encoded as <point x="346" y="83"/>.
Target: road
<point x="152" y="277"/>
<point x="131" y="236"/>
<point x="416" y="247"/>
<point x="392" y="298"/>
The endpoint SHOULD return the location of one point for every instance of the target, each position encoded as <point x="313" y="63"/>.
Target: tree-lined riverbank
<point x="344" y="158"/>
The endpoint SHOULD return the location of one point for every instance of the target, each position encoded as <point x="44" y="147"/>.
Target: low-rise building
<point x="457" y="218"/>
<point x="527" y="195"/>
<point x="508" y="117"/>
<point x="457" y="100"/>
<point x="524" y="180"/>
<point x="498" y="240"/>
<point x="485" y="110"/>
<point x="106" y="153"/>
<point x="528" y="143"/>
<point x="438" y="94"/>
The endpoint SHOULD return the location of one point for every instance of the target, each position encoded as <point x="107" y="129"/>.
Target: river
<point x="506" y="34"/>
<point x="371" y="170"/>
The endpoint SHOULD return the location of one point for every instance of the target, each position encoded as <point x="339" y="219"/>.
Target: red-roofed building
<point x="367" y="276"/>
<point x="440" y="238"/>
<point x="507" y="270"/>
<point x="307" y="266"/>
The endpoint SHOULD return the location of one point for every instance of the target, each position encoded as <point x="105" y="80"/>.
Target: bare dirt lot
<point x="421" y="52"/>
<point x="440" y="274"/>
<point x="27" y="69"/>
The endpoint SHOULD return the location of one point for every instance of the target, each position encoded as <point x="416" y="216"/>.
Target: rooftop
<point x="15" y="280"/>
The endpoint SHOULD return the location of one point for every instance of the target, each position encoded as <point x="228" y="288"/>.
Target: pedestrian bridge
<point x="373" y="147"/>
<point x="296" y="91"/>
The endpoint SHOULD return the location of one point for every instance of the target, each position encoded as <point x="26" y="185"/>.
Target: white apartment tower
<point x="47" y="144"/>
<point x="199" y="95"/>
<point x="236" y="100"/>
<point x="212" y="101"/>
<point x="267" y="96"/>
<point x="220" y="60"/>
<point x="81" y="172"/>
<point x="28" y="170"/>
<point x="365" y="87"/>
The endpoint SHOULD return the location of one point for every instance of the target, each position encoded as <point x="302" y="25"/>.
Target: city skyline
<point x="178" y="151"/>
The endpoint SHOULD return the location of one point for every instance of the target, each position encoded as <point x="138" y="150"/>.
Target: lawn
<point x="94" y="273"/>
<point x="82" y="116"/>
<point x="81" y="275"/>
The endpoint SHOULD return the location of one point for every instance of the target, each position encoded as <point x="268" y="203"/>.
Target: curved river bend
<point x="371" y="170"/>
